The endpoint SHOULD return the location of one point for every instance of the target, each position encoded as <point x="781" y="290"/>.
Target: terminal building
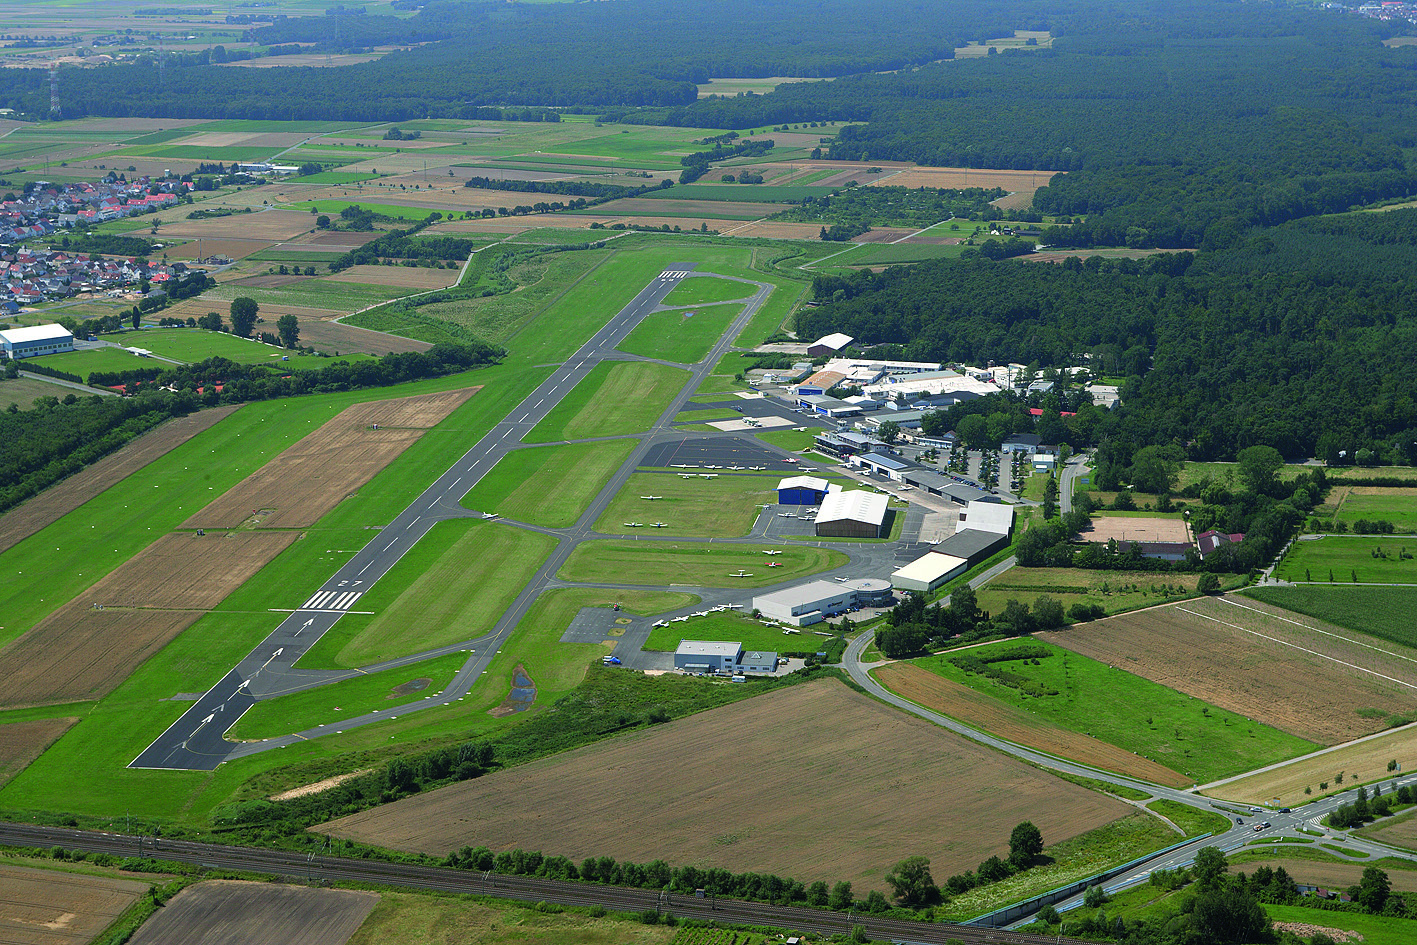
<point x="34" y="341"/>
<point x="707" y="656"/>
<point x="854" y="514"/>
<point x="813" y="602"/>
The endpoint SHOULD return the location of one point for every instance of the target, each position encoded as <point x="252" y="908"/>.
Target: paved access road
<point x="195" y="742"/>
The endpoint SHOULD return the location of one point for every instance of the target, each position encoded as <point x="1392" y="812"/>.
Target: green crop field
<point x="740" y="193"/>
<point x="705" y="291"/>
<point x="890" y="254"/>
<point x="548" y="485"/>
<point x="84" y="363"/>
<point x="725" y="507"/>
<point x="1343" y="560"/>
<point x="615" y="398"/>
<point x="333" y="208"/>
<point x="367" y="692"/>
<point x="738" y="628"/>
<point x="1114" y="591"/>
<point x="694" y="565"/>
<point x="1135" y="714"/>
<point x="1396" y="506"/>
<point x="451" y="587"/>
<point x="1384" y="612"/>
<point x="22" y="392"/>
<point x="194" y="344"/>
<point x="684" y="337"/>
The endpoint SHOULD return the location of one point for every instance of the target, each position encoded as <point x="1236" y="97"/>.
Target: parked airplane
<point x="775" y="564"/>
<point x="660" y="623"/>
<point x="658" y="525"/>
<point x="651" y="498"/>
<point x="768" y="552"/>
<point x="634" y="524"/>
<point x="741" y="573"/>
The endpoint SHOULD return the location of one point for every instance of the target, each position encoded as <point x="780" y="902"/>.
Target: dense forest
<point x="1291" y="339"/>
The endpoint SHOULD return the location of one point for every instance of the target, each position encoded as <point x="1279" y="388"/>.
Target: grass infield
<point x="725" y="507"/>
<point x="681" y="336"/>
<point x="737" y="628"/>
<point x="705" y="291"/>
<point x="548" y="485"/>
<point x="614" y="399"/>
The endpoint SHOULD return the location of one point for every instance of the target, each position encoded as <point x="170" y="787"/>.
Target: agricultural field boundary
<point x="64" y="497"/>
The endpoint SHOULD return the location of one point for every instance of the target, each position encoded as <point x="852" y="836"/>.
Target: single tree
<point x="840" y="898"/>
<point x="1259" y="468"/>
<point x="912" y="883"/>
<point x="1208" y="583"/>
<point x="1210" y="867"/>
<point x="888" y="432"/>
<point x="1050" y="498"/>
<point x="243" y="316"/>
<point x="289" y="328"/>
<point x="1025" y="845"/>
<point x="137" y="317"/>
<point x="210" y="321"/>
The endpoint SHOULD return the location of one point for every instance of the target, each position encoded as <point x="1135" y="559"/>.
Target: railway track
<point x="313" y="867"/>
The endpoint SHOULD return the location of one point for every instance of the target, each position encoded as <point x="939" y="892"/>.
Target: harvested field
<point x="233" y="248"/>
<point x="628" y="206"/>
<point x="262" y="225"/>
<point x="884" y="234"/>
<point x="1127" y="529"/>
<point x="80" y="652"/>
<point x="1330" y="874"/>
<point x="1400" y="831"/>
<point x="326" y="334"/>
<point x="402" y="277"/>
<point x="1364" y="761"/>
<point x="946" y="696"/>
<point x="61" y="499"/>
<point x="772" y="231"/>
<point x="222" y="912"/>
<point x="47" y="907"/>
<point x="23" y="742"/>
<point x="335" y="239"/>
<point x="267" y="281"/>
<point x="809" y="742"/>
<point x="316" y="474"/>
<point x="1291" y="672"/>
<point x="1013" y="181"/>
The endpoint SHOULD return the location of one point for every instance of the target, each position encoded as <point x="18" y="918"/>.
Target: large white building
<point x="925" y="574"/>
<point x="981" y="516"/>
<point x="813" y="602"/>
<point x="709" y="656"/>
<point x="36" y="340"/>
<point x="853" y="514"/>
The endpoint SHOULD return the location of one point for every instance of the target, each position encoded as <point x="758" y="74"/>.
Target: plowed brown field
<point x="79" y="653"/>
<point x="816" y="781"/>
<point x="46" y="907"/>
<point x="921" y="686"/>
<point x="230" y="913"/>
<point x="316" y="474"/>
<point x="263" y="225"/>
<point x="400" y="277"/>
<point x="23" y="742"/>
<point x="61" y="499"/>
<point x="1291" y="672"/>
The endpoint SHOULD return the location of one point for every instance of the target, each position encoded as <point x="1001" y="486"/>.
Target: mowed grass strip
<point x="194" y="344"/>
<point x="996" y="716"/>
<point x="725" y="507"/>
<point x="702" y="290"/>
<point x="809" y="742"/>
<point x="1384" y="612"/>
<point x="455" y="590"/>
<point x="681" y="336"/>
<point x="614" y="399"/>
<point x="1132" y="713"/>
<point x="735" y="628"/>
<point x="84" y="363"/>
<point x="695" y="565"/>
<point x="1350" y="561"/>
<point x="548" y="485"/>
<point x="346" y="700"/>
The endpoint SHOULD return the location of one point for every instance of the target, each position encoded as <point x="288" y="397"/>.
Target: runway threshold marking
<point x="332" y="600"/>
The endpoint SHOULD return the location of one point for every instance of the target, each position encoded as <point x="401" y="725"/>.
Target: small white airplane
<point x="738" y="607"/>
<point x="660" y="623"/>
<point x="489" y="514"/>
<point x="634" y="524"/>
<point x="769" y="552"/>
<point x="651" y="498"/>
<point x="775" y="564"/>
<point x="684" y="619"/>
<point x="757" y="468"/>
<point x="735" y="467"/>
<point x="741" y="574"/>
<point x="708" y="475"/>
<point x="701" y="613"/>
<point x="658" y="524"/>
<point x="686" y="475"/>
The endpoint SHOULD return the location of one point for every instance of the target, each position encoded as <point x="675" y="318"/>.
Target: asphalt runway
<point x="195" y="741"/>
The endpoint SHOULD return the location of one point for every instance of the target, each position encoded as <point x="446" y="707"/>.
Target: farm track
<point x="521" y="888"/>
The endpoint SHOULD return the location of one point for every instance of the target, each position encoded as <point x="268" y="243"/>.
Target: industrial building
<point x="892" y="467"/>
<point x="828" y="346"/>
<point x="707" y="656"/>
<point x="852" y="514"/>
<point x="985" y="516"/>
<point x="825" y="406"/>
<point x="929" y="572"/>
<point x="813" y="602"/>
<point x="972" y="545"/>
<point x="843" y="444"/>
<point x="804" y="490"/>
<point x="35" y="341"/>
